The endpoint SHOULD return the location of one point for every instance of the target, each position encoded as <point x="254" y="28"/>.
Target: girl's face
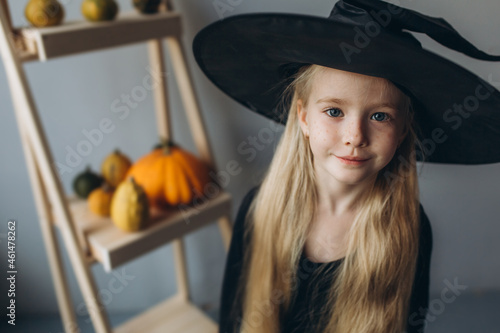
<point x="352" y="116"/>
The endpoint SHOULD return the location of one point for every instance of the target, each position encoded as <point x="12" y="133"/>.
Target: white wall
<point x="74" y="93"/>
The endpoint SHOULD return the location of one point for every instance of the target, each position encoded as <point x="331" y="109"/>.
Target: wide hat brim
<point x="250" y="56"/>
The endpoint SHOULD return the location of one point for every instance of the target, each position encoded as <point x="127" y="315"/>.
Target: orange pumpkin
<point x="170" y="175"/>
<point x="99" y="200"/>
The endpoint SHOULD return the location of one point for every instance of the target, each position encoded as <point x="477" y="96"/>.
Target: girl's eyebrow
<point x="344" y="102"/>
<point x="331" y="100"/>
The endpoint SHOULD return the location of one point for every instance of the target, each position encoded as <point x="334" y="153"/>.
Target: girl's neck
<point x="339" y="199"/>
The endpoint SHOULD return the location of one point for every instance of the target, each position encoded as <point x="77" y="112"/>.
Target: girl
<point x="334" y="239"/>
<point x="336" y="215"/>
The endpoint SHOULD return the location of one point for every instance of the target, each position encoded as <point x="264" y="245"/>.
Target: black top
<point x="309" y="298"/>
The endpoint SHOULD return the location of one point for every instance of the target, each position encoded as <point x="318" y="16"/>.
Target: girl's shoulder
<point x="425" y="230"/>
<point x="252" y="193"/>
<point x="243" y="210"/>
<point x="247" y="201"/>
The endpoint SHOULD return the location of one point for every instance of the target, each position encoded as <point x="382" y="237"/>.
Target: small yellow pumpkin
<point x="115" y="167"/>
<point x="44" y="13"/>
<point x="99" y="200"/>
<point x="129" y="207"/>
<point x="171" y="175"/>
<point x="99" y="10"/>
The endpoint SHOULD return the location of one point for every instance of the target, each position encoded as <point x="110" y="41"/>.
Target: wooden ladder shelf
<point x="89" y="239"/>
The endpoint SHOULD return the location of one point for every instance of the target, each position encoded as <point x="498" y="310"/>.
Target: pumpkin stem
<point x="107" y="188"/>
<point x="166" y="144"/>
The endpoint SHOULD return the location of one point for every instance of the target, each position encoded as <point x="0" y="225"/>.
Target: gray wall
<point x="74" y="93"/>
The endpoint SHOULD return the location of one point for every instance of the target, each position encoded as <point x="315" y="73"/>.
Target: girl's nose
<point x="354" y="133"/>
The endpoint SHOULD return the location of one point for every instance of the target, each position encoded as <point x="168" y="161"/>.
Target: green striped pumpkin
<point x="147" y="6"/>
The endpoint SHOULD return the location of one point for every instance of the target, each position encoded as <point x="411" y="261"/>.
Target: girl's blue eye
<point x="335" y="112"/>
<point x="379" y="116"/>
<point x="384" y="118"/>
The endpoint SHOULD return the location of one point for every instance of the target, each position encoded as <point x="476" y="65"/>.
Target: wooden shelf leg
<point x="52" y="249"/>
<point x="5" y="5"/>
<point x="157" y="64"/>
<point x="226" y="230"/>
<point x="190" y="101"/>
<point x="181" y="269"/>
<point x="27" y="115"/>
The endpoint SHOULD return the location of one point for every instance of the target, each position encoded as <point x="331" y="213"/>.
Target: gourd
<point x="147" y="6"/>
<point x="114" y="168"/>
<point x="170" y="175"/>
<point x="130" y="207"/>
<point x="99" y="10"/>
<point x="44" y="13"/>
<point x="99" y="200"/>
<point x="86" y="182"/>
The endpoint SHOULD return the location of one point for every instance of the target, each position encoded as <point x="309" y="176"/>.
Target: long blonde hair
<point x="373" y="283"/>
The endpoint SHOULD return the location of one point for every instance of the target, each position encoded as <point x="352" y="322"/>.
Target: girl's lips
<point x="351" y="162"/>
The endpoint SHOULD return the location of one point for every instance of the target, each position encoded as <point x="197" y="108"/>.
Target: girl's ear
<point x="302" y="116"/>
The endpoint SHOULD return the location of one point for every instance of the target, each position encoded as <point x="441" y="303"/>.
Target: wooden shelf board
<point x="113" y="247"/>
<point x="82" y="36"/>
<point x="171" y="316"/>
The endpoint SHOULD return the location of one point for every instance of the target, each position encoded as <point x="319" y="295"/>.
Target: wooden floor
<point x="469" y="313"/>
<point x="171" y="316"/>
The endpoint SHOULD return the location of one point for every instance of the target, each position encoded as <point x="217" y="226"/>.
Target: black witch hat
<point x="250" y="57"/>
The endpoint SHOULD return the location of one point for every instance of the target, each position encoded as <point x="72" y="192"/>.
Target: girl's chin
<point x="350" y="176"/>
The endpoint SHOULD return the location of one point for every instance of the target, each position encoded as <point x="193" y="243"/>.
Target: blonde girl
<point x="358" y="219"/>
<point x="335" y="239"/>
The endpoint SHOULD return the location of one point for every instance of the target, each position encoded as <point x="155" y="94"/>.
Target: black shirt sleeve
<point x="230" y="304"/>
<point x="420" y="294"/>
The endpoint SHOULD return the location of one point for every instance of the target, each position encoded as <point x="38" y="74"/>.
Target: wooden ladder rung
<point x="127" y="28"/>
<point x="113" y="247"/>
<point x="171" y="316"/>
